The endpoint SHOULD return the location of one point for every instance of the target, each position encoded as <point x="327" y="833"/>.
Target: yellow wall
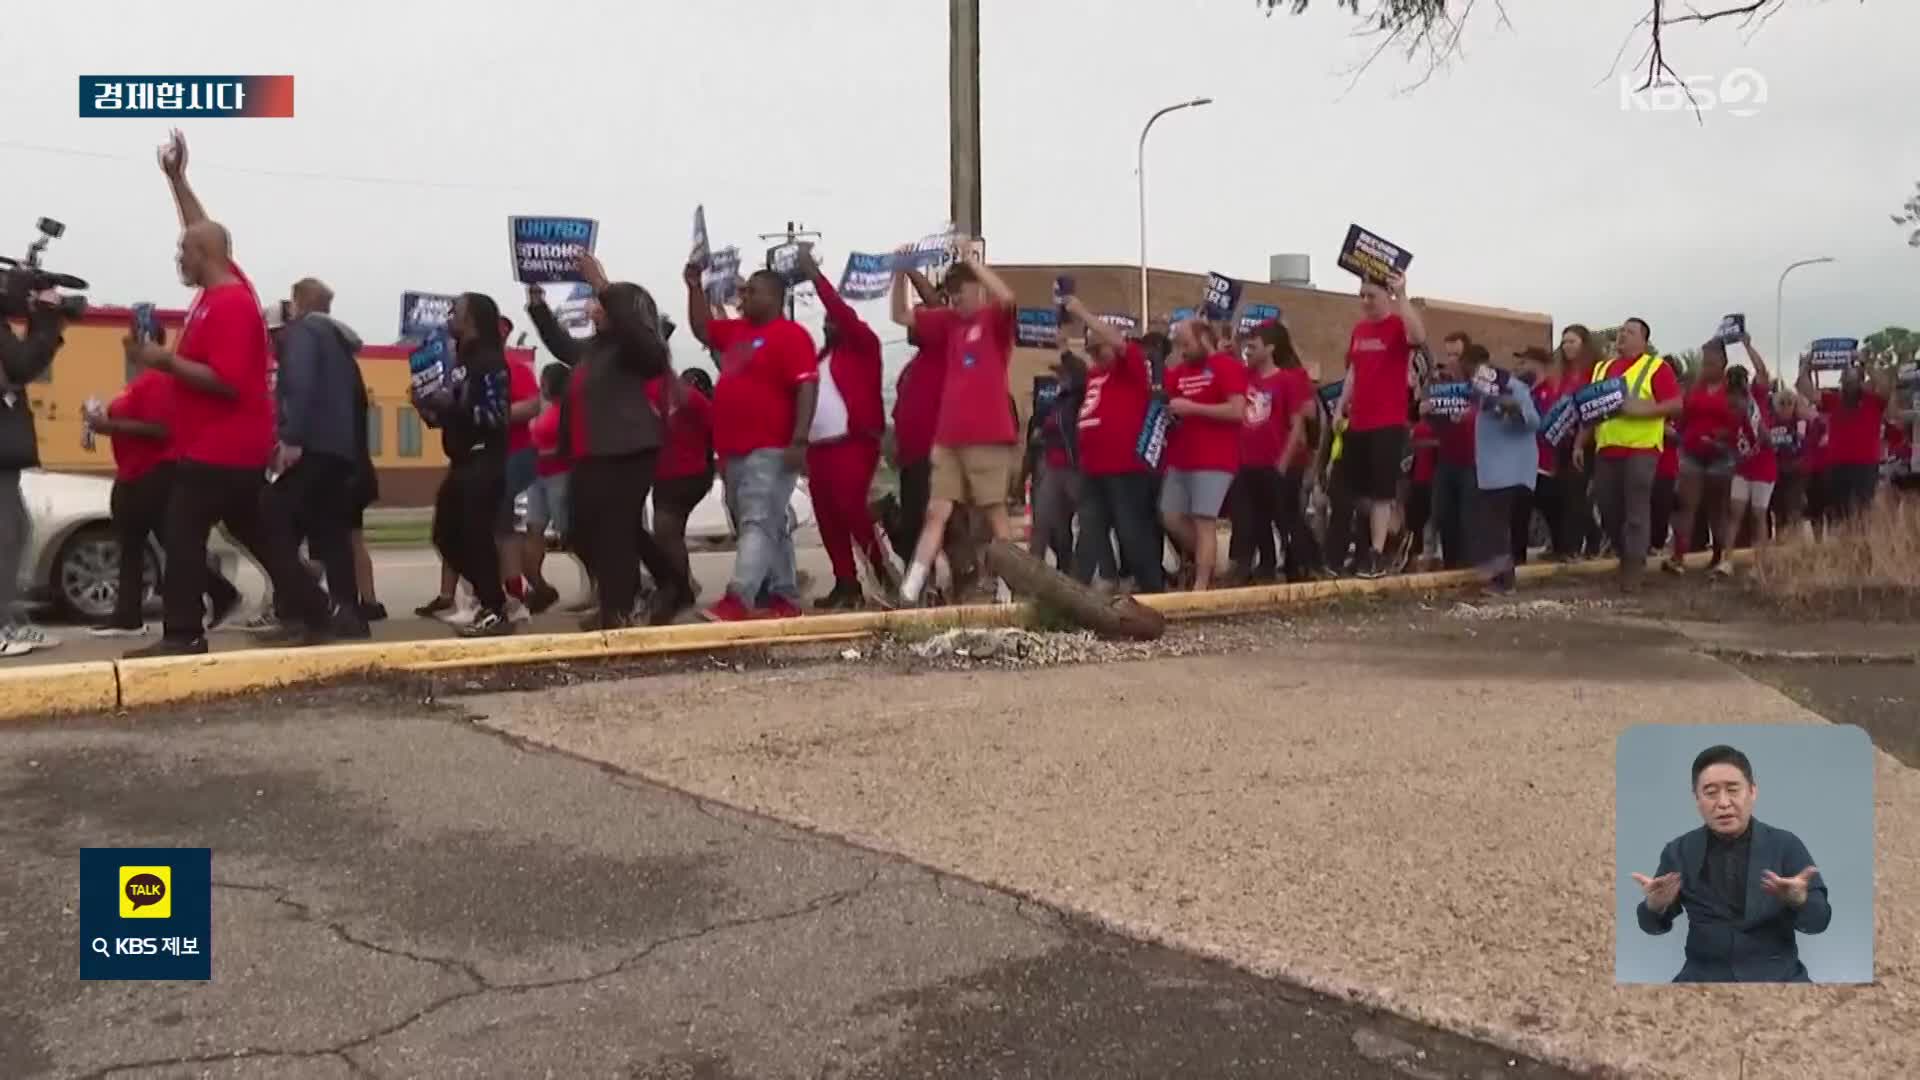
<point x="92" y="364"/>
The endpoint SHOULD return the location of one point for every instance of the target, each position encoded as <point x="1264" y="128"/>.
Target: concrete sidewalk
<point x="1419" y="818"/>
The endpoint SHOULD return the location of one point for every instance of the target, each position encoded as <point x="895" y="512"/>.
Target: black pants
<point x="1255" y="508"/>
<point x="1550" y="501"/>
<point x="463" y="518"/>
<point x="1490" y="514"/>
<point x="315" y="500"/>
<point x="203" y="496"/>
<point x="608" y="498"/>
<point x="1290" y="517"/>
<point x="1419" y="514"/>
<point x="1850" y="489"/>
<point x="664" y="547"/>
<point x="140" y="511"/>
<point x="1664" y="498"/>
<point x="1453" y="494"/>
<point x="1120" y="506"/>
<point x="915" y="492"/>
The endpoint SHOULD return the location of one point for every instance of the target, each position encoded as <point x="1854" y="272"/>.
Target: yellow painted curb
<point x="36" y="692"/>
<point x="27" y="693"/>
<point x="620" y="645"/>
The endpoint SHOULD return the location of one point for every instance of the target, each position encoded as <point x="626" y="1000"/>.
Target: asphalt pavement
<point x="549" y="916"/>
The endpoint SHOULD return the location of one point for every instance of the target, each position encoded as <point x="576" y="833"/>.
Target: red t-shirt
<point x="1817" y="444"/>
<point x="224" y="331"/>
<point x="916" y="404"/>
<point x="1264" y="432"/>
<point x="1762" y="464"/>
<point x="689" y="431"/>
<point x="1665" y="386"/>
<point x="545" y="433"/>
<point x="1294" y="391"/>
<point x="1545" y="393"/>
<point x="522" y="383"/>
<point x="149" y="398"/>
<point x="1426" y="453"/>
<point x="1854" y="433"/>
<point x="1111" y="413"/>
<point x="1378" y="355"/>
<point x="1456" y="438"/>
<point x="1707" y="423"/>
<point x="761" y="371"/>
<point x="973" y="396"/>
<point x="1198" y="443"/>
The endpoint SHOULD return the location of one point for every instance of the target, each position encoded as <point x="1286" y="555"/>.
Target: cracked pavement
<point x="401" y="893"/>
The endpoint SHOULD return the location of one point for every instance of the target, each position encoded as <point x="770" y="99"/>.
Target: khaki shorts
<point x="972" y="475"/>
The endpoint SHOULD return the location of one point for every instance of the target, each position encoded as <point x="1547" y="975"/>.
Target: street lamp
<point x="1779" y="293"/>
<point x="1144" y="308"/>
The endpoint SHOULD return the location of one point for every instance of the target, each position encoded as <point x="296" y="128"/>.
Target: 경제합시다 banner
<point x="421" y="313"/>
<point x="1833" y="353"/>
<point x="545" y="248"/>
<point x="1223" y="295"/>
<point x="1372" y="258"/>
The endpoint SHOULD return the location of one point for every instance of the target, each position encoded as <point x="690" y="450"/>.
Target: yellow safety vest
<point x="1635" y="433"/>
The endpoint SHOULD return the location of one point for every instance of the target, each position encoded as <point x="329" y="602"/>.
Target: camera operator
<point x="21" y="362"/>
<point x="224" y="435"/>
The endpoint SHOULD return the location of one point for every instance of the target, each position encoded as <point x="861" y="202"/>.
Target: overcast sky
<point x="1515" y="177"/>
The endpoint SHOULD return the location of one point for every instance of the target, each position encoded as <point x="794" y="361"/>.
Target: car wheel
<point x="86" y="575"/>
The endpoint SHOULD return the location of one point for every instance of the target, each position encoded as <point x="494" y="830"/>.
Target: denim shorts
<point x="546" y="502"/>
<point x="1194" y="492"/>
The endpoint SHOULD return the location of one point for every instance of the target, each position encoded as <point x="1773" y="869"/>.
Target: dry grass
<point x="1863" y="569"/>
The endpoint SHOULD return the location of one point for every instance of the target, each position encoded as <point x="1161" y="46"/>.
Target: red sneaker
<point x="728" y="609"/>
<point x="779" y="608"/>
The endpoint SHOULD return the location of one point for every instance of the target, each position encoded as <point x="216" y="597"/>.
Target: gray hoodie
<point x="319" y="390"/>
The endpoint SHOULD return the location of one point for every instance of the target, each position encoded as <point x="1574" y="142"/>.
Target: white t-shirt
<point x="829" y="410"/>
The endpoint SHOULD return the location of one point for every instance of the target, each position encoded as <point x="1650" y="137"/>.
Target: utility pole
<point x="792" y="234"/>
<point x="963" y="118"/>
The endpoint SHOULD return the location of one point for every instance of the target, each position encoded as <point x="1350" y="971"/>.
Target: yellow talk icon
<point x="146" y="892"/>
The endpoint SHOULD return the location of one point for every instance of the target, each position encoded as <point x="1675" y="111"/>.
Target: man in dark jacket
<point x="612" y="433"/>
<point x="320" y="403"/>
<point x="1746" y="887"/>
<point x="21" y="362"/>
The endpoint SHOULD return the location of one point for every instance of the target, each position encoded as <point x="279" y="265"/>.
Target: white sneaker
<point x="11" y="649"/>
<point x="461" y="616"/>
<point x="108" y="630"/>
<point x="29" y="636"/>
<point x="1002" y="592"/>
<point x="263" y="621"/>
<point x="517" y="611"/>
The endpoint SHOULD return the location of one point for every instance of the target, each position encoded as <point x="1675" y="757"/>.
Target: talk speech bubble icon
<point x="144" y="890"/>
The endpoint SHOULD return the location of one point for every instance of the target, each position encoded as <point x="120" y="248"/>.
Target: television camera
<point x="21" y="278"/>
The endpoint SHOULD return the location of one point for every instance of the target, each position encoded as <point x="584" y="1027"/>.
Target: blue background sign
<point x="1560" y="421"/>
<point x="1223" y="295"/>
<point x="1451" y="401"/>
<point x="1180" y="315"/>
<point x="1038" y="328"/>
<point x="544" y="248"/>
<point x="867" y="276"/>
<point x="1601" y="400"/>
<point x="421" y="313"/>
<point x="146" y="932"/>
<point x="1833" y="353"/>
<point x="1253" y="315"/>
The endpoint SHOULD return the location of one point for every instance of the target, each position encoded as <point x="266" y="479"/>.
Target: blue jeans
<point x="759" y="491"/>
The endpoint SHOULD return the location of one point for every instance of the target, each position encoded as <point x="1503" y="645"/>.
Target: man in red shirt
<point x="1116" y="486"/>
<point x="976" y="440"/>
<point x="1374" y="403"/>
<point x="1207" y="396"/>
<point x="223" y="433"/>
<point x="848" y="423"/>
<point x="1856" y="419"/>
<point x="916" y="409"/>
<point x="762" y="413"/>
<point x="1453" y="484"/>
<point x="137" y="421"/>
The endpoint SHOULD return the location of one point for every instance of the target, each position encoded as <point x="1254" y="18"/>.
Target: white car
<point x="72" y="561"/>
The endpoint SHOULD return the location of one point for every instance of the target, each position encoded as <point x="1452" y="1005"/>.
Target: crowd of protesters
<point x="255" y="419"/>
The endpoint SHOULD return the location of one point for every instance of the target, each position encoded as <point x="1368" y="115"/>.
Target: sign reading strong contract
<point x="1739" y="92"/>
<point x="545" y="248"/>
<point x="146" y="97"/>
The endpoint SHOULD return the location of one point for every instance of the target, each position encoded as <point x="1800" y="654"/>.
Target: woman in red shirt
<point x="1579" y="524"/>
<point x="682" y="478"/>
<point x="1762" y="432"/>
<point x="1706" y="462"/>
